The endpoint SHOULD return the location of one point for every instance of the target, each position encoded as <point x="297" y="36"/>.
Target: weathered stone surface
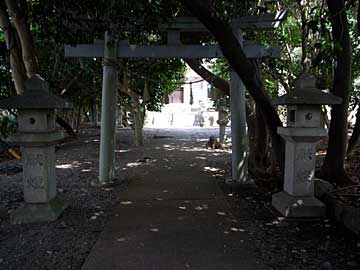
<point x="39" y="174"/>
<point x="298" y="207"/>
<point x="38" y="212"/>
<point x="305" y="92"/>
<point x="299" y="169"/>
<point x="36" y="96"/>
<point x="302" y="133"/>
<point x="37" y="134"/>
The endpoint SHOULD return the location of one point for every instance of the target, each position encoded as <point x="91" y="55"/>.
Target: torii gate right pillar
<point x="108" y="112"/>
<point x="239" y="136"/>
<point x="238" y="132"/>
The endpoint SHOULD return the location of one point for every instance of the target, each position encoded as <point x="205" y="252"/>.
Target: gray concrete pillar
<point x="108" y="112"/>
<point x="238" y="131"/>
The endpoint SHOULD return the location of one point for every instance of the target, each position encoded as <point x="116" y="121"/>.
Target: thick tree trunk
<point x="333" y="168"/>
<point x="246" y="70"/>
<point x="18" y="72"/>
<point x="354" y="139"/>
<point x="27" y="43"/>
<point x="261" y="141"/>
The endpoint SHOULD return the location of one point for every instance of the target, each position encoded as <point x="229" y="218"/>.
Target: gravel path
<point x="65" y="243"/>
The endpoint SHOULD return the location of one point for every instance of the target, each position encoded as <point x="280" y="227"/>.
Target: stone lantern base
<point x="38" y="212"/>
<point x="298" y="207"/>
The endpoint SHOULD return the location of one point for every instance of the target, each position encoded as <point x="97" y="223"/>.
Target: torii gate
<point x="110" y="50"/>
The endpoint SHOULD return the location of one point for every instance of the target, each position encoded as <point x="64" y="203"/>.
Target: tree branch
<point x="208" y="76"/>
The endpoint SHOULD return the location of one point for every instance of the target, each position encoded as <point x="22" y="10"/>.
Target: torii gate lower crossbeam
<point x="111" y="51"/>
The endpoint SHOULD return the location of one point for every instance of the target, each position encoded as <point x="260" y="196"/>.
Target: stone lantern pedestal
<point x="301" y="135"/>
<point x="37" y="135"/>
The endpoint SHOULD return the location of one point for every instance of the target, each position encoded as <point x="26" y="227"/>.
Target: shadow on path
<point x="173" y="215"/>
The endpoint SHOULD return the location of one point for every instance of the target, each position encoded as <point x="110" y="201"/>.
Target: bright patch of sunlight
<point x="123" y="151"/>
<point x="64" y="166"/>
<point x="74" y="164"/>
<point x="133" y="164"/>
<point x="201" y="207"/>
<point x="237" y="229"/>
<point x="126" y="202"/>
<point x="212" y="169"/>
<point x="121" y="239"/>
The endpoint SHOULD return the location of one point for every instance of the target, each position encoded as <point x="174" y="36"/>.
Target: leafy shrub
<point x="8" y="125"/>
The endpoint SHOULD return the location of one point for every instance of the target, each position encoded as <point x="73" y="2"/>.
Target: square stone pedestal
<point x="38" y="212"/>
<point x="297" y="206"/>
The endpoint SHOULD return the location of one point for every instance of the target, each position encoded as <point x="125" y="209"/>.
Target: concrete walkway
<point x="173" y="216"/>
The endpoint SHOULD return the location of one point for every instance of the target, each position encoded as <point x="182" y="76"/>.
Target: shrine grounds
<point x="275" y="243"/>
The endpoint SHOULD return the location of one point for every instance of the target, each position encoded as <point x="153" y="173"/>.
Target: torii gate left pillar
<point x="108" y="112"/>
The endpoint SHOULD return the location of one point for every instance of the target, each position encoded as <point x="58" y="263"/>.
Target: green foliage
<point x="221" y="68"/>
<point x="163" y="76"/>
<point x="6" y="85"/>
<point x="7" y="125"/>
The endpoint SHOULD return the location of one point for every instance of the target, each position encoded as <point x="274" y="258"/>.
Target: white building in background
<point x="189" y="106"/>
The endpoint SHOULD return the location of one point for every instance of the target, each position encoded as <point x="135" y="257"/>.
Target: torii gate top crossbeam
<point x="268" y="21"/>
<point x="174" y="48"/>
<point x="169" y="51"/>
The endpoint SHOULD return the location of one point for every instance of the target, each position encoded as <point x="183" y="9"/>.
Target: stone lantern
<point x="37" y="135"/>
<point x="301" y="134"/>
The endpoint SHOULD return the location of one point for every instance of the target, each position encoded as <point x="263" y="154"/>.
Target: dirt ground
<point x="65" y="243"/>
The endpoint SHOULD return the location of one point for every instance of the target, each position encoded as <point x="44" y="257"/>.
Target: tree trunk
<point x="23" y="29"/>
<point x="78" y="119"/>
<point x="246" y="70"/>
<point x="354" y="139"/>
<point x="261" y="141"/>
<point x="333" y="168"/>
<point x="94" y="113"/>
<point x="251" y="124"/>
<point x="18" y="72"/>
<point x="138" y="127"/>
<point x="66" y="126"/>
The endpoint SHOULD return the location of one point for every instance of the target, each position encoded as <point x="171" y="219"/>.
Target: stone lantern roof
<point x="36" y="96"/>
<point x="306" y="93"/>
